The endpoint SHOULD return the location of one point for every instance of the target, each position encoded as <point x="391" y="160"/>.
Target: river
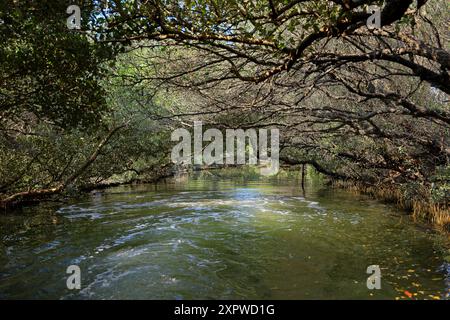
<point x="209" y="238"/>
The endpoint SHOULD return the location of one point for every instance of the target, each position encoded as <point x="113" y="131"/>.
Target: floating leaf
<point x="408" y="294"/>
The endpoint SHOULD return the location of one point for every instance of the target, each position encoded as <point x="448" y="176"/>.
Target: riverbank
<point x="55" y="194"/>
<point x="437" y="215"/>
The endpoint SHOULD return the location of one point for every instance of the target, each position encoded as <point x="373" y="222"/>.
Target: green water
<point x="219" y="239"/>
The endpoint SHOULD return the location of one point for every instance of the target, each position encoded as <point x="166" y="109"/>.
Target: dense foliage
<point x="366" y="107"/>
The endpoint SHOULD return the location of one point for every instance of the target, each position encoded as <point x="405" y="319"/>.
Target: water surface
<point x="219" y="239"/>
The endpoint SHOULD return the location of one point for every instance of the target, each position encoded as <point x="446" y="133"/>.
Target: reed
<point x="422" y="208"/>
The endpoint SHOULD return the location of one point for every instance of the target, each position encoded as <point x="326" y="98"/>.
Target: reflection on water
<point x="209" y="239"/>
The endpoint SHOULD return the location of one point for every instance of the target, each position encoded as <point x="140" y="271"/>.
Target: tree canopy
<point x="362" y="105"/>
